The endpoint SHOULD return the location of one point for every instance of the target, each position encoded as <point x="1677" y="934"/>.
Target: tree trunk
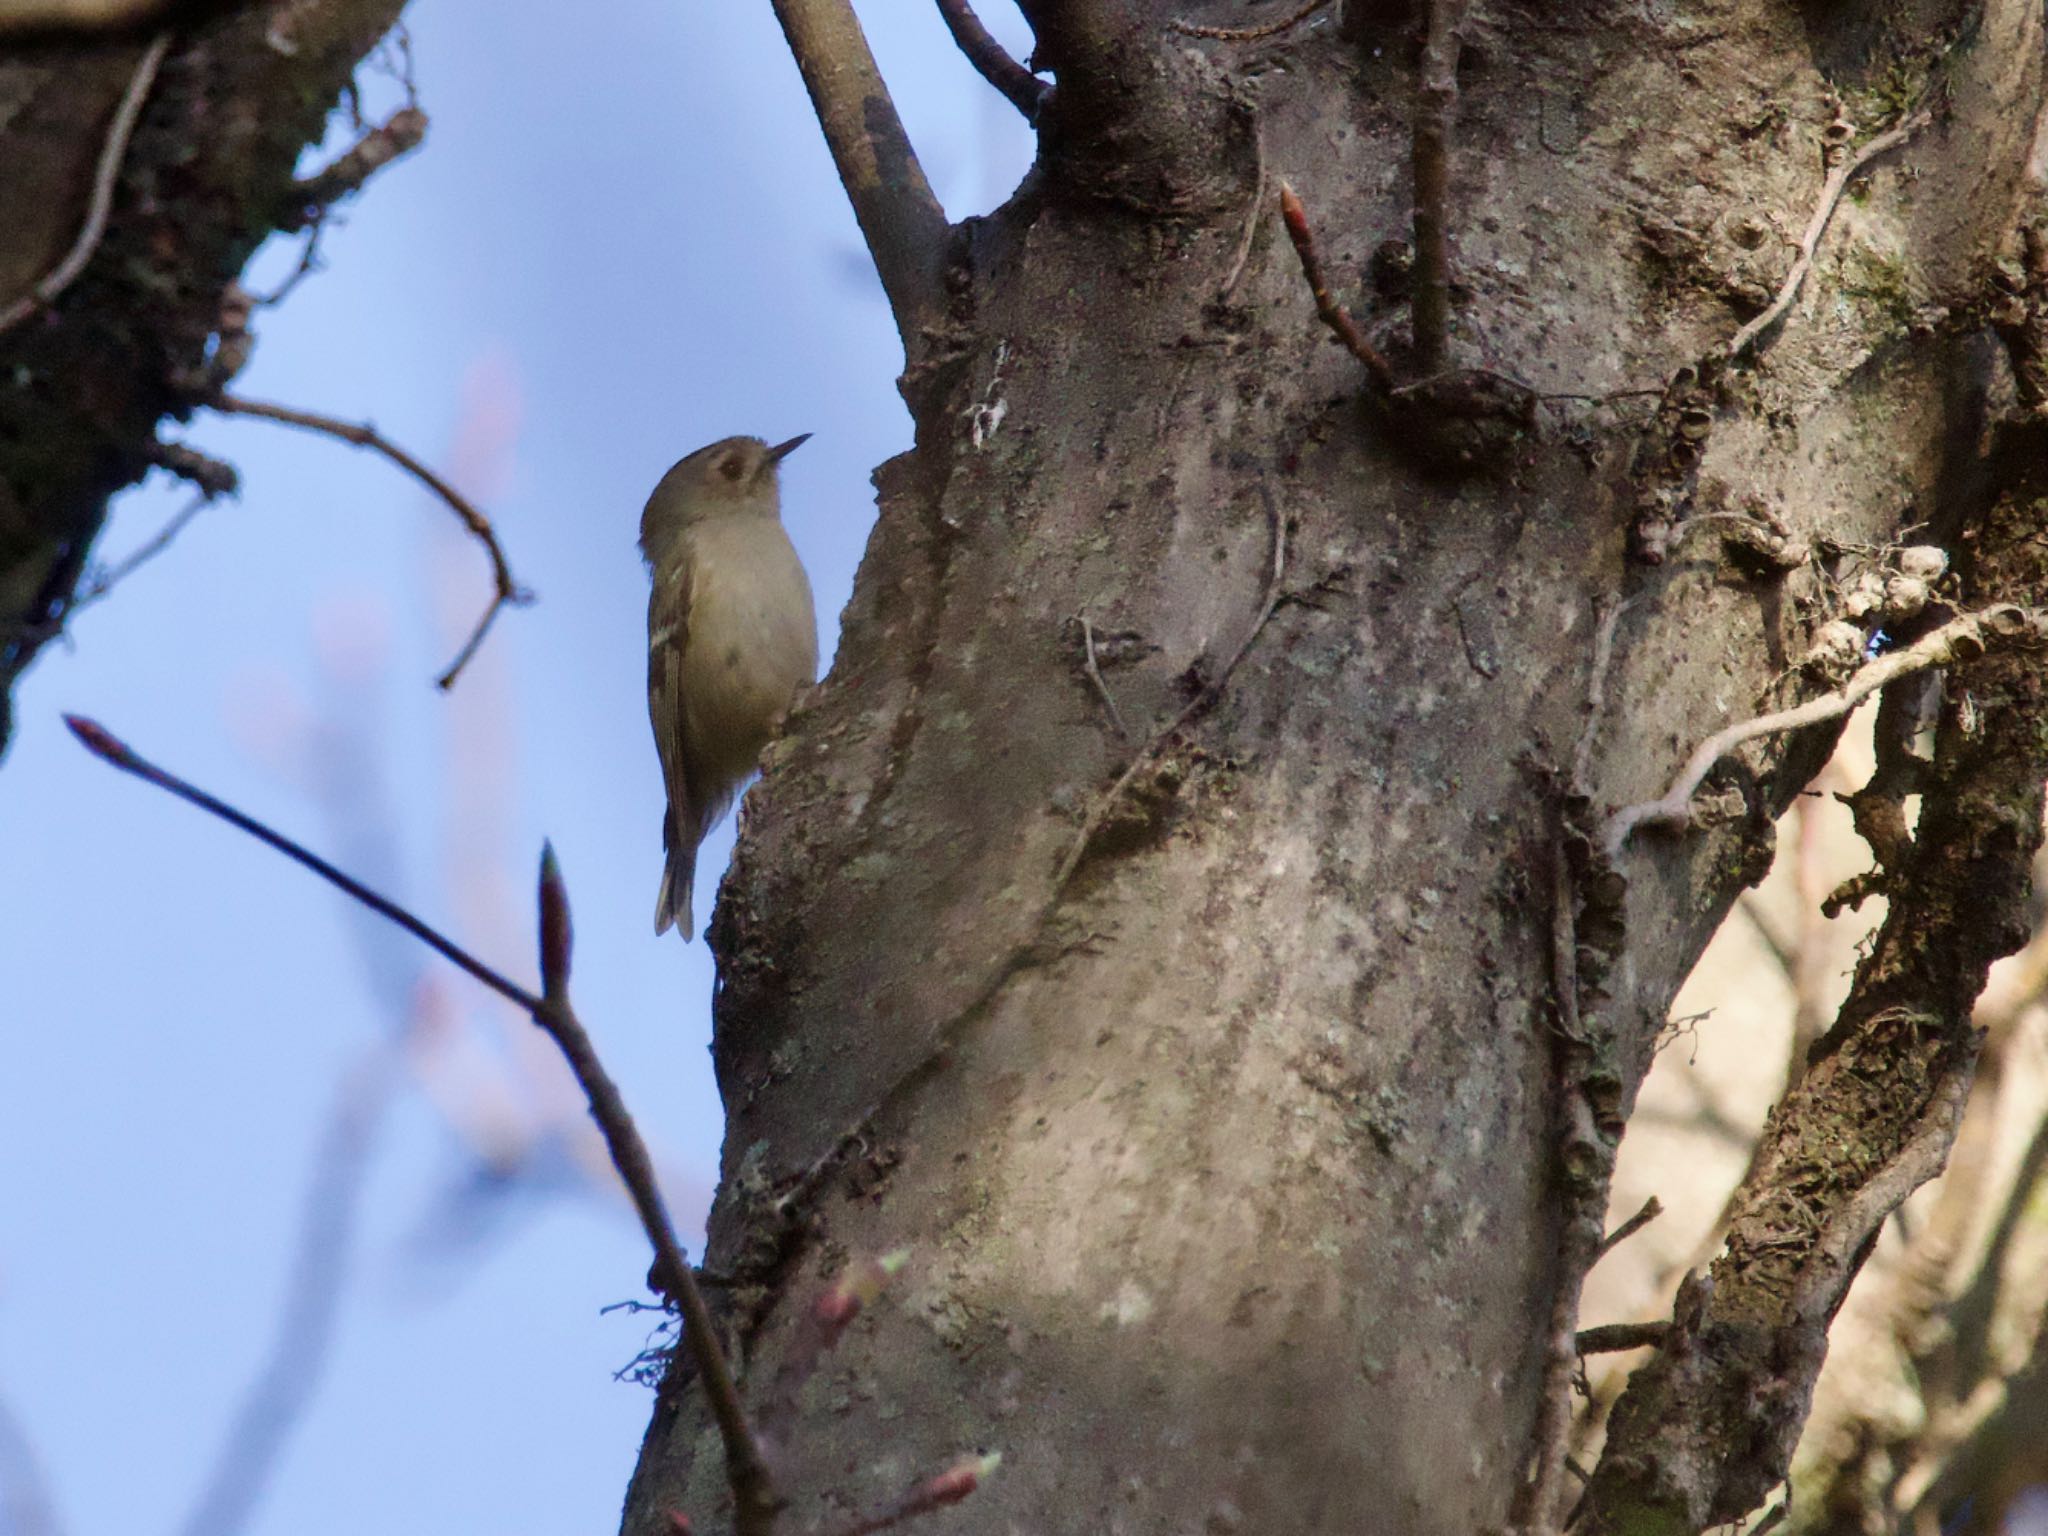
<point x="1207" y="1062"/>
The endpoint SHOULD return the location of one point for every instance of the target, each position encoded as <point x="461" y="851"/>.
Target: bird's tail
<point x="678" y="881"/>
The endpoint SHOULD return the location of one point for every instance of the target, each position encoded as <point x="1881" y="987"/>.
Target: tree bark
<point x="1219" y="1108"/>
<point x="87" y="377"/>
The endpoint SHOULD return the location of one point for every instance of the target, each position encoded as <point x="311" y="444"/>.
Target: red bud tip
<point x="837" y="1307"/>
<point x="556" y="935"/>
<point x="1292" y="211"/>
<point x="858" y="1288"/>
<point x="955" y="1483"/>
<point x="678" y="1522"/>
<point x="99" y="741"/>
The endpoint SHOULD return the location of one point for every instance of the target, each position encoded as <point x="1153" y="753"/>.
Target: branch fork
<point x="750" y="1446"/>
<point x="1961" y="639"/>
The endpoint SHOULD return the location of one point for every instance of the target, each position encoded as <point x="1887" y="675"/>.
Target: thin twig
<point x="1652" y="1209"/>
<point x="112" y="153"/>
<point x="111" y="749"/>
<point x="308" y="263"/>
<point x="1937" y="648"/>
<point x="1830" y="194"/>
<point x="755" y="1500"/>
<point x="314" y="197"/>
<point x="902" y="222"/>
<point x="111" y="577"/>
<point x="1195" y="706"/>
<point x="214" y="477"/>
<point x="1248" y="34"/>
<point x="1611" y="1338"/>
<point x="363" y="435"/>
<point x="1436" y="99"/>
<point x="1094" y="674"/>
<point x="1021" y="88"/>
<point x="1333" y="314"/>
<point x="1535" y="1502"/>
<point x="398" y="41"/>
<point x="400" y="134"/>
<point x="934" y="1493"/>
<point x="752" y="1487"/>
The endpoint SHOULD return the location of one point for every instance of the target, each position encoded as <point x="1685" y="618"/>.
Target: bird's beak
<point x="782" y="451"/>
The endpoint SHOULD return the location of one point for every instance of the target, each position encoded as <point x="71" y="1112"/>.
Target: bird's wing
<point x="668" y="632"/>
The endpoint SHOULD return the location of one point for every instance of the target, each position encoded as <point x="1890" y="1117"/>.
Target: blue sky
<point x="623" y="239"/>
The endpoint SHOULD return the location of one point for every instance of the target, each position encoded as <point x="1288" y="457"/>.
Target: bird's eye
<point x="731" y="466"/>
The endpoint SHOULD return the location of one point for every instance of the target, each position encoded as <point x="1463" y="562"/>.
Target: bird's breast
<point x="753" y="638"/>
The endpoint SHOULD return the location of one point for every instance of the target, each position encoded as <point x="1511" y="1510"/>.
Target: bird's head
<point x="735" y="476"/>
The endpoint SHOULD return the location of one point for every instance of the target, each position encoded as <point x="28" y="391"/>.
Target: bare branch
<point x="1958" y="640"/>
<point x="214" y="477"/>
<point x="755" y="1499"/>
<point x="1436" y="99"/>
<point x="158" y="542"/>
<point x="399" y="134"/>
<point x="1611" y="1338"/>
<point x="1333" y="314"/>
<point x="363" y="435"/>
<point x="1022" y="89"/>
<point x="1585" y="1158"/>
<point x="1652" y="1209"/>
<point x="900" y="219"/>
<point x="109" y="748"/>
<point x="112" y="153"/>
<point x="309" y="262"/>
<point x="1830" y="194"/>
<point x="934" y="1493"/>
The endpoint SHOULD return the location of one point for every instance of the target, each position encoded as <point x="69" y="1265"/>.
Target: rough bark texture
<point x="206" y="177"/>
<point x="1228" y="1164"/>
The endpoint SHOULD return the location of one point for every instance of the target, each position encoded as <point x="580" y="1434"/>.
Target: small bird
<point x="732" y="637"/>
